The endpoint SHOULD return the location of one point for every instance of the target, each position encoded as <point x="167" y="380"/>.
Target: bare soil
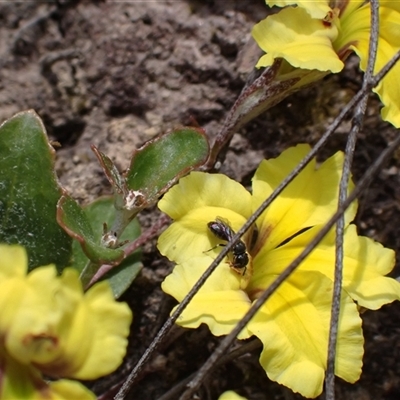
<point x="115" y="74"/>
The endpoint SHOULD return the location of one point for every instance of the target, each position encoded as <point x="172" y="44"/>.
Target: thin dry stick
<point x="340" y="226"/>
<point x="168" y="324"/>
<point x="224" y="345"/>
<point x="246" y="348"/>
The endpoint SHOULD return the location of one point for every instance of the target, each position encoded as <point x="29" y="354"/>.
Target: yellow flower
<point x="231" y="395"/>
<point x="51" y="327"/>
<point x="293" y="324"/>
<point x="320" y="35"/>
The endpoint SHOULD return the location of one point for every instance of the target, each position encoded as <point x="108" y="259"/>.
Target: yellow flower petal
<point x="231" y="395"/>
<point x="316" y="8"/>
<point x="302" y="41"/>
<point x="220" y="311"/>
<point x="347" y="7"/>
<point x="94" y="340"/>
<point x="293" y="326"/>
<point x="32" y="333"/>
<point x="310" y="199"/>
<point x="68" y="390"/>
<point x="199" y="190"/>
<point x="13" y="261"/>
<point x="365" y="264"/>
<point x="220" y="303"/>
<point x="111" y="322"/>
<point x="388" y="89"/>
<point x="11" y="294"/>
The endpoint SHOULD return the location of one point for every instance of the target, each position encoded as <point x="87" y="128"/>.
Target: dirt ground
<point x="115" y="74"/>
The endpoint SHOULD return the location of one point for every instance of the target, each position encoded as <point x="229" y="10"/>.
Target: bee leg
<point x="212" y="248"/>
<point x="240" y="271"/>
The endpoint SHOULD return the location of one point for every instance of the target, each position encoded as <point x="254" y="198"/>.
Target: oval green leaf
<point x="29" y="192"/>
<point x="159" y="163"/>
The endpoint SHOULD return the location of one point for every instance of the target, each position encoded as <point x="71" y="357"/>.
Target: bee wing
<point x="229" y="231"/>
<point x="223" y="221"/>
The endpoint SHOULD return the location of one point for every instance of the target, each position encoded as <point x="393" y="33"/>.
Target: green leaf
<point x="120" y="277"/>
<point x="79" y="226"/>
<point x="29" y="192"/>
<point x="158" y="165"/>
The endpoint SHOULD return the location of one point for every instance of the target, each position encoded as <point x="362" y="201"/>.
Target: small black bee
<point x="223" y="231"/>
